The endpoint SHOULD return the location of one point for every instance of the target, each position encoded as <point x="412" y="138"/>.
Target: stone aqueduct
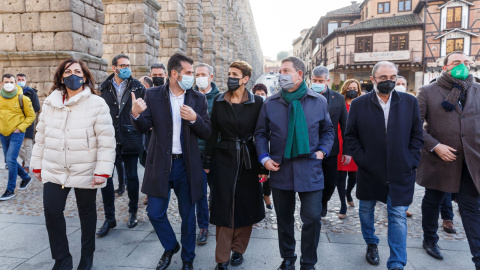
<point x="35" y="35"/>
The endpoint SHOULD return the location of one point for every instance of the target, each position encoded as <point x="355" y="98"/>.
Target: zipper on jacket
<point x="88" y="141"/>
<point x="65" y="143"/>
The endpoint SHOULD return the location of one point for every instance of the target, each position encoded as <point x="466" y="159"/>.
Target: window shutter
<point x="443" y="19"/>
<point x="465" y="17"/>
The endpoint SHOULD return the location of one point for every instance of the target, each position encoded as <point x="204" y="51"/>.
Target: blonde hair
<point x="347" y="83"/>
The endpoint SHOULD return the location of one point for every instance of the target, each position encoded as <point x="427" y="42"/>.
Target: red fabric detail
<point x="37" y="171"/>
<point x="103" y="175"/>
<point x="351" y="167"/>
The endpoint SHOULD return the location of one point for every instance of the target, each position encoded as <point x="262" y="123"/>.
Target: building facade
<point x="35" y="36"/>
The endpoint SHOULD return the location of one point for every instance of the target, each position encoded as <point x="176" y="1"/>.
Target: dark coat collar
<point x="395" y="98"/>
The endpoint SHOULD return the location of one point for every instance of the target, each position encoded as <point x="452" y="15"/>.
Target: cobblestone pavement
<point x="29" y="202"/>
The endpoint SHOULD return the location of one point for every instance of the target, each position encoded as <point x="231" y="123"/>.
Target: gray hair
<point x="382" y="64"/>
<point x="401" y="77"/>
<point x="158" y="65"/>
<point x="210" y="68"/>
<point x="321" y="71"/>
<point x="297" y="63"/>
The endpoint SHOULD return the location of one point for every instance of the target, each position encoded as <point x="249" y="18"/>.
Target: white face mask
<point x="202" y="82"/>
<point x="400" y="88"/>
<point x="9" y="87"/>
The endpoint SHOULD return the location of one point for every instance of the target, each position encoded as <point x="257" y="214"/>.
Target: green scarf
<point x="8" y="95"/>
<point x="297" y="139"/>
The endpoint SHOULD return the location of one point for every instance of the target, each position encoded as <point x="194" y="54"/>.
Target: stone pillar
<point x="194" y="23"/>
<point x="36" y="35"/>
<point x="220" y="73"/>
<point x="226" y="19"/>
<point x="172" y="29"/>
<point x="209" y="34"/>
<point x="131" y="28"/>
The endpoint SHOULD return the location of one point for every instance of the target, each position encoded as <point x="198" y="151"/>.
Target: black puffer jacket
<point x="129" y="140"/>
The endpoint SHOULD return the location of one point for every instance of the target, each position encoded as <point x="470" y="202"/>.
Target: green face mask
<point x="460" y="72"/>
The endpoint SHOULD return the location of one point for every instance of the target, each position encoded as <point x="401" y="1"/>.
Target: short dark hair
<point x="260" y="87"/>
<point x="115" y="59"/>
<point x="21" y="75"/>
<point x="148" y="81"/>
<point x="7" y="75"/>
<point x="175" y="63"/>
<point x="158" y="65"/>
<point x="445" y="60"/>
<point x="297" y="63"/>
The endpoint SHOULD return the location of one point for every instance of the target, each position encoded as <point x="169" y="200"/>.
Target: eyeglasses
<point x="459" y="62"/>
<point x="122" y="66"/>
<point x="385" y="77"/>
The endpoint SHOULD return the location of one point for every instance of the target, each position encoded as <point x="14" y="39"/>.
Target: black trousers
<point x="330" y="172"/>
<point x="54" y="199"/>
<point x="267" y="189"/>
<point x="342" y="179"/>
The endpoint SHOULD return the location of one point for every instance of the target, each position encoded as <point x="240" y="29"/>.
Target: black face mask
<point x="157" y="81"/>
<point x="351" y="94"/>
<point x="233" y="83"/>
<point x="386" y="87"/>
<point x="73" y="82"/>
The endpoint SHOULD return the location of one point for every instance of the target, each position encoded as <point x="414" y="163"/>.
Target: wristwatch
<point x="324" y="153"/>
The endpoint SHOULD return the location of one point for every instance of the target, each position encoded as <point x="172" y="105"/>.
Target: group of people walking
<point x="244" y="146"/>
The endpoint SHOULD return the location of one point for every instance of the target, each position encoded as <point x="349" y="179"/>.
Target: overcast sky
<point x="279" y="22"/>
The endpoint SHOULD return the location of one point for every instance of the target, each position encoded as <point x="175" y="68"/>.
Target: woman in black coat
<point x="237" y="201"/>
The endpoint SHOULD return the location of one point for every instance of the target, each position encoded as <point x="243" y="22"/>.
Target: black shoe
<point x="24" y="184"/>
<point x="187" y="266"/>
<point x="86" y="263"/>
<point x="167" y="258"/>
<point x="287" y="265"/>
<point x="132" y="220"/>
<point x="433" y="250"/>
<point x="63" y="264"/>
<point x="396" y="268"/>
<point x="372" y="254"/>
<point x="237" y="259"/>
<point x="324" y="211"/>
<point x="222" y="266"/>
<point x="303" y="267"/>
<point x="202" y="237"/>
<point x="7" y="195"/>
<point x="106" y="227"/>
<point x="120" y="190"/>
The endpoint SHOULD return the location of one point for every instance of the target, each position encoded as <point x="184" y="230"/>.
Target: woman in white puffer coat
<point x="75" y="148"/>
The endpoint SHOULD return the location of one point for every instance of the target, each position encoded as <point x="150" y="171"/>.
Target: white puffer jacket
<point x="75" y="140"/>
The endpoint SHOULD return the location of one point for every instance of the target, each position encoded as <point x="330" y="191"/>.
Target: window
<point x="345" y="24"/>
<point x="383" y="7"/>
<point x="364" y="44"/>
<point x="332" y="26"/>
<point x="455" y="44"/>
<point x="404" y="5"/>
<point x="398" y="42"/>
<point x="454" y="17"/>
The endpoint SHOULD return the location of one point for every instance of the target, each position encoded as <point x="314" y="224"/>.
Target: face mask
<point x="22" y="84"/>
<point x="157" y="81"/>
<point x="385" y="87"/>
<point x="285" y="81"/>
<point x="460" y="72"/>
<point x="9" y="87"/>
<point x="264" y="98"/>
<point x="73" y="82"/>
<point x="351" y="94"/>
<point x="124" y="73"/>
<point x="318" y="87"/>
<point x="233" y="83"/>
<point x="202" y="82"/>
<point x="400" y="88"/>
<point x="187" y="82"/>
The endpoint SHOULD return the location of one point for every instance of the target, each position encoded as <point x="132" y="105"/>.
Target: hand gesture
<point x="98" y="180"/>
<point x="187" y="113"/>
<point x="445" y="152"/>
<point x="272" y="165"/>
<point x="138" y="106"/>
<point x="346" y="159"/>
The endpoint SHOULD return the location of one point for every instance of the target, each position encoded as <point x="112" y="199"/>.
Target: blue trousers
<point x="157" y="213"/>
<point x="11" y="147"/>
<point x="397" y="230"/>
<point x="202" y="205"/>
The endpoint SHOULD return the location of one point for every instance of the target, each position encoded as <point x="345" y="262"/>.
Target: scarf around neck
<point x="8" y="95"/>
<point x="457" y="87"/>
<point x="297" y="139"/>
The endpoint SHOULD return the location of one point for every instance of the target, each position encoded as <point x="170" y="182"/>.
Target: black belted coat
<point x="237" y="199"/>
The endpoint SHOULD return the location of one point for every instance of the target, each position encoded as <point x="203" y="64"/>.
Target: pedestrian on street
<point x="179" y="117"/>
<point x="351" y="89"/>
<point x="16" y="115"/>
<point x="260" y="89"/>
<point x="237" y="201"/>
<point x="116" y="90"/>
<point x="75" y="148"/>
<point x="25" y="153"/>
<point x="384" y="134"/>
<point x="146" y="82"/>
<point x="293" y="135"/>
<point x="449" y="161"/>
<point x="338" y="115"/>
<point x="205" y="85"/>
<point x="158" y="73"/>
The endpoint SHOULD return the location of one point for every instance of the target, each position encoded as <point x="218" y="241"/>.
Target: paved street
<point x="25" y="243"/>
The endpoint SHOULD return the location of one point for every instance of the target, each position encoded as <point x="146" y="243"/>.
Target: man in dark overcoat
<point x="450" y="160"/>
<point x="384" y="134"/>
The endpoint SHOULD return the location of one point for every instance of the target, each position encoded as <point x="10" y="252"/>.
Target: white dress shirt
<point x="386" y="108"/>
<point x="176" y="102"/>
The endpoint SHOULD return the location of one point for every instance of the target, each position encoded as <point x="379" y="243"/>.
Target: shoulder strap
<point x="20" y="101"/>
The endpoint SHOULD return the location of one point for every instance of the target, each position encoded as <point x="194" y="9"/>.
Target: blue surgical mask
<point x="187" y="82"/>
<point x="285" y="81"/>
<point x="22" y="84"/>
<point x="124" y="73"/>
<point x="318" y="87"/>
